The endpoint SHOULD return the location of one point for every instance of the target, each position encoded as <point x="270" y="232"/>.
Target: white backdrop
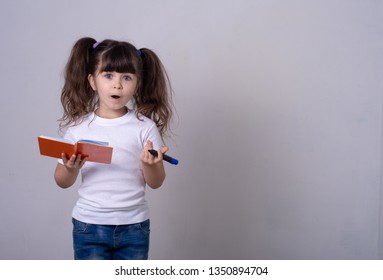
<point x="278" y="128"/>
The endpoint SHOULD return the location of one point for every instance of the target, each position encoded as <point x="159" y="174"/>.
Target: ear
<point x="92" y="82"/>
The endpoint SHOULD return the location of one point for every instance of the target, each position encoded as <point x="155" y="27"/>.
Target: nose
<point x="117" y="85"/>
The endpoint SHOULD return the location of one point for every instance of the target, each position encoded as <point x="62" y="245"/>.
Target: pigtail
<point x="153" y="99"/>
<point x="77" y="97"/>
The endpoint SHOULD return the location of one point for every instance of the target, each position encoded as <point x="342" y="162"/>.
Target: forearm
<point x="65" y="178"/>
<point x="154" y="175"/>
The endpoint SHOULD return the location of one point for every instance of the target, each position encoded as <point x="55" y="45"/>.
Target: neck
<point x="106" y="114"/>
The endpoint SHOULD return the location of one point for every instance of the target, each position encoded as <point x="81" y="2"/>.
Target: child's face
<point x="114" y="90"/>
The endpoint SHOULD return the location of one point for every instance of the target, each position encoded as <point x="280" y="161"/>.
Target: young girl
<point x="111" y="218"/>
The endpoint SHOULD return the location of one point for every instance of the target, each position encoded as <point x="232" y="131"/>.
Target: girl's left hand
<point x="147" y="158"/>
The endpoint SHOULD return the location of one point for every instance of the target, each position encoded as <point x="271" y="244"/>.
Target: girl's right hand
<point x="74" y="162"/>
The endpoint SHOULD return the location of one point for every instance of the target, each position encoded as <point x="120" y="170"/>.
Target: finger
<point x="64" y="158"/>
<point x="160" y="153"/>
<point x="83" y="162"/>
<point x="72" y="160"/>
<point x="147" y="157"/>
<point x="77" y="160"/>
<point x="149" y="145"/>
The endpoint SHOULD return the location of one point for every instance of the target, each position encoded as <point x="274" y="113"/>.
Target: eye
<point x="127" y="78"/>
<point x="108" y="75"/>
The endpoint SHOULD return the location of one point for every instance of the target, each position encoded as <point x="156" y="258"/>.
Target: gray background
<point x="278" y="128"/>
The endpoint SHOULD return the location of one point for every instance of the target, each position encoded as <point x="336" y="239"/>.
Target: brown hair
<point x="153" y="98"/>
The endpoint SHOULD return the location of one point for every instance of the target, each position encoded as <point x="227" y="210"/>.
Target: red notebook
<point x="95" y="151"/>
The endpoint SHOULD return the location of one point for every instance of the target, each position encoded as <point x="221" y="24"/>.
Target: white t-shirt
<point x="114" y="194"/>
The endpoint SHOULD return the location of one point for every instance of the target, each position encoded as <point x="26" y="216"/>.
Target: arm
<point x="153" y="167"/>
<point x="67" y="173"/>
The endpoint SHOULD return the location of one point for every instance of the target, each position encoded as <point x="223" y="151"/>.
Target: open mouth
<point x="116" y="96"/>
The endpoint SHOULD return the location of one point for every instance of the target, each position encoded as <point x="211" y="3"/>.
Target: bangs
<point x="119" y="58"/>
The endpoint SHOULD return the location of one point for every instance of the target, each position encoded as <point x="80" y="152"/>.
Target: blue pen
<point x="165" y="157"/>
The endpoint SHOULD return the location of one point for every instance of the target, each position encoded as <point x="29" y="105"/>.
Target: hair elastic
<point x="96" y="44"/>
<point x="138" y="52"/>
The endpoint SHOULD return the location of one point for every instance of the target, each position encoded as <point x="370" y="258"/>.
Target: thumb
<point x="164" y="149"/>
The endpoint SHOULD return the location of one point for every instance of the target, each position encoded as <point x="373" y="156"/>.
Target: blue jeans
<point x="108" y="242"/>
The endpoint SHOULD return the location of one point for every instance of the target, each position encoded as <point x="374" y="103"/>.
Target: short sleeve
<point x="154" y="136"/>
<point x="67" y="135"/>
